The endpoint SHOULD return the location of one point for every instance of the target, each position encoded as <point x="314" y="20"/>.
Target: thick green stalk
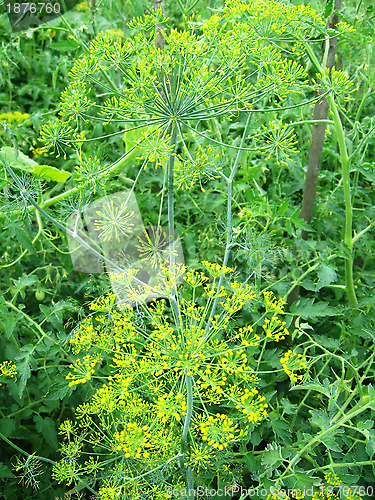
<point x="171" y="162"/>
<point x="345" y="163"/>
<point x="185" y="432"/>
<point x="348" y="232"/>
<point x="170" y="201"/>
<point x="174" y="304"/>
<point x="189" y="411"/>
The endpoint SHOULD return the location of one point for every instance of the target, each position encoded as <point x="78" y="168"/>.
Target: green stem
<point x="301" y="278"/>
<point x="28" y="318"/>
<point x="40" y="225"/>
<point x="229" y="231"/>
<point x="170" y="201"/>
<point x="171" y="163"/>
<point x="189" y="412"/>
<point x="345" y="163"/>
<point x="361" y="233"/>
<point x="319" y="437"/>
<point x="303" y="122"/>
<point x="348" y="236"/>
<point x="188" y="379"/>
<point x="345" y="464"/>
<point x="42" y="459"/>
<point x="306" y="396"/>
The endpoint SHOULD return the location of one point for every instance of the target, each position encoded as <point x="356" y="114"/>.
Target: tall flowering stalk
<point x="137" y="412"/>
<point x="177" y="391"/>
<point x="337" y="84"/>
<point x="221" y="68"/>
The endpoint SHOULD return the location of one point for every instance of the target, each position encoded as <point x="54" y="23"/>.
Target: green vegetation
<point x="187" y="252"/>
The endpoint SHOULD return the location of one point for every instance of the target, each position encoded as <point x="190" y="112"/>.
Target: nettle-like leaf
<point x="5" y="472"/>
<point x="306" y="308"/>
<point x="23" y="361"/>
<point x="272" y="457"/>
<point x="47" y="427"/>
<point x="326" y="275"/>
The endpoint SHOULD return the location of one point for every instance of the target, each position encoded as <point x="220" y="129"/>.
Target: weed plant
<point x="199" y="387"/>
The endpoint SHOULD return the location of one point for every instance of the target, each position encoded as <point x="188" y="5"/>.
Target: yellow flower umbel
<point x="332" y="487"/>
<point x="114" y="221"/>
<point x="138" y="412"/>
<point x="217" y="430"/>
<point x="83" y="369"/>
<point x="201" y="457"/>
<point x="294" y="365"/>
<point x="8" y="369"/>
<point x="216" y="270"/>
<point x="275" y="329"/>
<point x="272" y="303"/>
<point x="83" y="6"/>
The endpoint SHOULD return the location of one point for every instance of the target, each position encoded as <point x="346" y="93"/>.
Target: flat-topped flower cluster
<point x="138" y="368"/>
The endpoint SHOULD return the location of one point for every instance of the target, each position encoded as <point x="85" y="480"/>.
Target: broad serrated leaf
<point x="326" y="276"/>
<point x="251" y="462"/>
<point x="23" y="360"/>
<point x="329" y="9"/>
<point x="307" y="309"/>
<point x="48" y="429"/>
<point x="368" y="424"/>
<point x="281" y="429"/>
<point x="7" y="426"/>
<point x="25" y="240"/>
<point x="272" y="456"/>
<point x="256" y="437"/>
<point x="329" y="342"/>
<point x="59" y="390"/>
<point x="25" y="281"/>
<point x="330" y="442"/>
<point x="283" y="207"/>
<point x="309" y="285"/>
<point x="370" y="445"/>
<point x="301" y="224"/>
<point x="289" y="407"/>
<point x="310" y="386"/>
<point x="368" y="170"/>
<point x="5" y="472"/>
<point x="10" y="318"/>
<point x="320" y="419"/>
<point x="303" y="481"/>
